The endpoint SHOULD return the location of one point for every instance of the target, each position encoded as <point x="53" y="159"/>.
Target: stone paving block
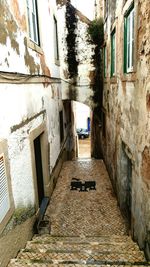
<point x="94" y="212"/>
<point x="15" y="263"/>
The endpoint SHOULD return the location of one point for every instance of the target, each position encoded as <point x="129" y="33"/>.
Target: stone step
<point x="59" y="246"/>
<point x="67" y="251"/>
<point x="83" y="239"/>
<point x="26" y="263"/>
<point x="82" y="257"/>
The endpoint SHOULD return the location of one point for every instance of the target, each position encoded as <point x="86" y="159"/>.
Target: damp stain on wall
<point x="29" y="60"/>
<point x="8" y="28"/>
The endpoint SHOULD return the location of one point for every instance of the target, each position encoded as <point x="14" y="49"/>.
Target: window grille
<point x="4" y="194"/>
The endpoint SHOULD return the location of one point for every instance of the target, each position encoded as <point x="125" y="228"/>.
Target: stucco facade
<point x="125" y="129"/>
<point x="33" y="120"/>
<point x="76" y="54"/>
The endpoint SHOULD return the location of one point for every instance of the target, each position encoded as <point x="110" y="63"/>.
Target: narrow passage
<point x="86" y="226"/>
<point x="91" y="213"/>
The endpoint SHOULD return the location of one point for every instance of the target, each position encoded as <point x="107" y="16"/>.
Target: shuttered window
<point x="4" y="194"/>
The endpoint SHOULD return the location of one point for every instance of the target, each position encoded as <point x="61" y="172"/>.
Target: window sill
<point x="34" y="46"/>
<point x="57" y="62"/>
<point x="113" y="79"/>
<point x="128" y="77"/>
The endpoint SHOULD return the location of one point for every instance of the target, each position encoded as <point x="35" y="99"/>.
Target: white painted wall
<point x="10" y="60"/>
<point x="17" y="104"/>
<point x="84" y="54"/>
<point x="21" y="102"/>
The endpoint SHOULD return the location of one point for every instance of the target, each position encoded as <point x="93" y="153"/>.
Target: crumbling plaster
<point x="15" y="45"/>
<point x="26" y="109"/>
<point x="126" y="102"/>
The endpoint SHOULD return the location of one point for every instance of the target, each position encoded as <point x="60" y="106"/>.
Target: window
<point x="6" y="199"/>
<point x="113" y="53"/>
<point x="4" y="194"/>
<point x="56" y="47"/>
<point x="129" y="41"/>
<point x="105" y="62"/>
<point x="33" y="21"/>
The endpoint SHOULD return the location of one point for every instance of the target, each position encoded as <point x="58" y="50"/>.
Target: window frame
<point x="4" y="155"/>
<point x="56" y="42"/>
<point x="33" y="22"/>
<point x="105" y="60"/>
<point x="129" y="40"/>
<point x="113" y="53"/>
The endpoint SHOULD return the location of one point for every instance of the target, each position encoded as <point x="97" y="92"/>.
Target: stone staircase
<point x="49" y="251"/>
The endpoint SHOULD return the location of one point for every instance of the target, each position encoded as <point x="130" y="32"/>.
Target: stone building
<point x="125" y="129"/>
<point x="37" y="85"/>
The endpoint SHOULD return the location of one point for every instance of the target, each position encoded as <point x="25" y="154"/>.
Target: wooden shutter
<point x="4" y="194"/>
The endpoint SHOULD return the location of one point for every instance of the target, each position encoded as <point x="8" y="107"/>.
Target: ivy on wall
<point x="71" y="25"/>
<point x="96" y="32"/>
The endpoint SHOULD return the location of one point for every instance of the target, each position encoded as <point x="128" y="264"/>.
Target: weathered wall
<point x="75" y="55"/>
<point x="126" y="145"/>
<point x="30" y="102"/>
<point x="15" y="45"/>
<point x="28" y="107"/>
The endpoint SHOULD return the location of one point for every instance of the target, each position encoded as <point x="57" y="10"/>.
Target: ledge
<point x="113" y="80"/>
<point x="129" y="77"/>
<point x="34" y="46"/>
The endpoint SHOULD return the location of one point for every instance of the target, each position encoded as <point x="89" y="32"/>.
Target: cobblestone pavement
<point x="90" y="213"/>
<point x="86" y="227"/>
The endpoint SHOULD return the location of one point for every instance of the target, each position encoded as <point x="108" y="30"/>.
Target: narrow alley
<point x="74" y="133"/>
<point x="86" y="226"/>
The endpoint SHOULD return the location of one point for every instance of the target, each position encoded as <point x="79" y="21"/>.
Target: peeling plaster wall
<point x="27" y="106"/>
<point x="79" y="87"/>
<point x="126" y="103"/>
<point x="15" y="45"/>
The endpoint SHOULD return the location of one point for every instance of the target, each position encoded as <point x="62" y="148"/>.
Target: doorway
<point x="125" y="183"/>
<point x="39" y="168"/>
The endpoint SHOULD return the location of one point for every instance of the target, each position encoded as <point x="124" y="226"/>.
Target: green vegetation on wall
<point x="71" y="24"/>
<point x="96" y="33"/>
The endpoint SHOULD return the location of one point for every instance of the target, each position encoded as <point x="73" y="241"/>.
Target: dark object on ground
<point x="82" y="186"/>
